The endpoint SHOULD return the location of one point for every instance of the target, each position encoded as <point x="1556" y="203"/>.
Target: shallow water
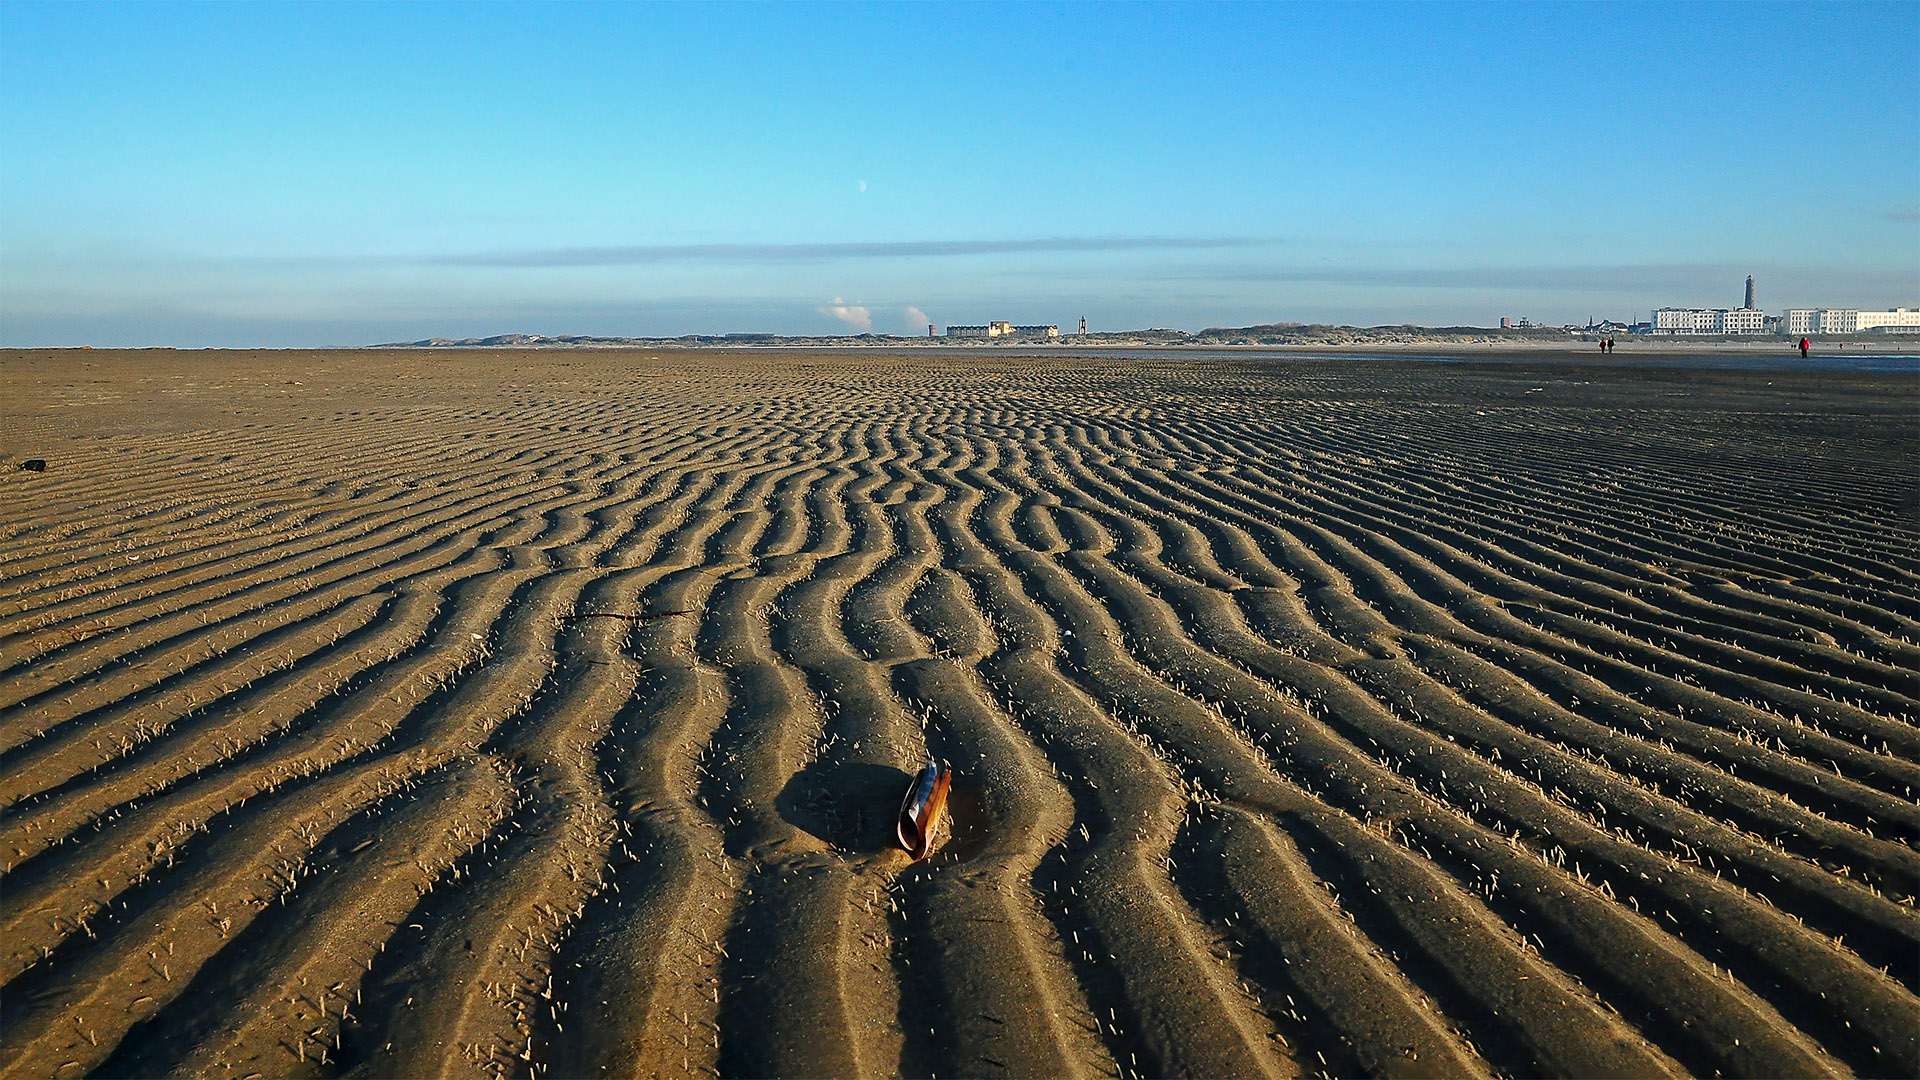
<point x="1865" y="362"/>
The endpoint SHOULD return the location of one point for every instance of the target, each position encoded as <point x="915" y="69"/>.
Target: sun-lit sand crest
<point x="398" y="714"/>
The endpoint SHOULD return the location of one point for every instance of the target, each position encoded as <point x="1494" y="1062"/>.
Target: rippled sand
<point x="489" y="712"/>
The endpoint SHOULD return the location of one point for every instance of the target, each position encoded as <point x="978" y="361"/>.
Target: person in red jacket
<point x="1803" y="348"/>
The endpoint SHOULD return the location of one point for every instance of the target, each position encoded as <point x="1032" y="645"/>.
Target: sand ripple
<point x="546" y="713"/>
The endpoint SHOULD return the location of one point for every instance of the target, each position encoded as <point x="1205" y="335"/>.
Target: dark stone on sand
<point x="34" y="465"/>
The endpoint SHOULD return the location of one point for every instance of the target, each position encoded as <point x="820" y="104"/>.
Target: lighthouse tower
<point x="1749" y="304"/>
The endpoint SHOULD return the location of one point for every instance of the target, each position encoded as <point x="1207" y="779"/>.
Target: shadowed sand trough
<point x="504" y="713"/>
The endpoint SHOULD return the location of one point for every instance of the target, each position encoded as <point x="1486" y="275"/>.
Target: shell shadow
<point x="968" y="825"/>
<point x="851" y="806"/>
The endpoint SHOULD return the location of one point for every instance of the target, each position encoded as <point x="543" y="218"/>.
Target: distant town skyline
<point x="280" y="175"/>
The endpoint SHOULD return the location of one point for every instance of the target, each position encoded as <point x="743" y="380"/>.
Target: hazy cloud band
<point x="656" y="253"/>
<point x="1616" y="279"/>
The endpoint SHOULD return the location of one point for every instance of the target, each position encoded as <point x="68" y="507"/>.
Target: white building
<point x="1839" y="321"/>
<point x="1745" y="319"/>
<point x="1669" y="320"/>
<point x="1800" y="322"/>
<point x="1709" y="321"/>
<point x="1897" y="321"/>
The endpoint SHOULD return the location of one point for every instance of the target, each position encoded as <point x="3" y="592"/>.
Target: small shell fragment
<point x="920" y="810"/>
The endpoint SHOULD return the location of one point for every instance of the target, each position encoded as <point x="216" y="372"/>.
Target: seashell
<point x="920" y="810"/>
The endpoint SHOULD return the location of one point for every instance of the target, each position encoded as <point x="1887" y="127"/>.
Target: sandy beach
<point x="546" y="712"/>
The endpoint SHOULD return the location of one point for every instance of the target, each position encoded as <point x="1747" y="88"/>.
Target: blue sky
<point x="264" y="174"/>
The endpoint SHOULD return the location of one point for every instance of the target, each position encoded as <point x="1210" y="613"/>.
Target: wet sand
<point x="494" y="713"/>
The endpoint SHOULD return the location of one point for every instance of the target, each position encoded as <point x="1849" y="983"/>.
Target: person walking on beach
<point x="1803" y="348"/>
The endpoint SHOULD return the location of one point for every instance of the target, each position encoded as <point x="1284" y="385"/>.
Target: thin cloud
<point x="905" y="249"/>
<point x="1666" y="277"/>
<point x="1902" y="215"/>
<point x="855" y="316"/>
